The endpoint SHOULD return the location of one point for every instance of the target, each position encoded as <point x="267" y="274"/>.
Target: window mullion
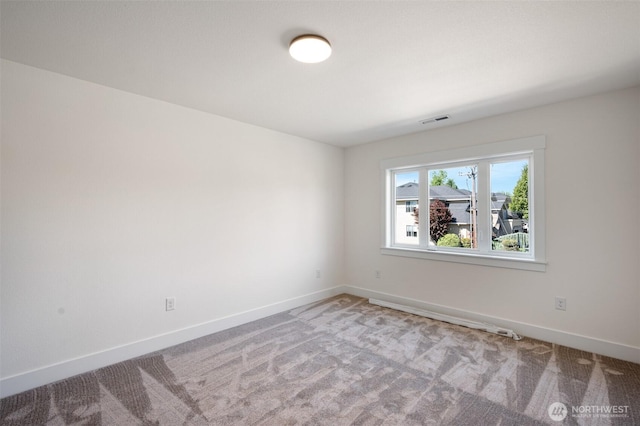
<point x="390" y="235"/>
<point x="423" y="205"/>
<point x="483" y="207"/>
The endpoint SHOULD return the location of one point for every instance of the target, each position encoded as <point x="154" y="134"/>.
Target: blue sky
<point x="504" y="176"/>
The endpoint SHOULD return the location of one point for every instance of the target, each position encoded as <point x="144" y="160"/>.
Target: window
<point x="412" y="231"/>
<point x="481" y="205"/>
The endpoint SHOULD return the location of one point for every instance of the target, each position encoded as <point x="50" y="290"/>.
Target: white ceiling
<point x="394" y="63"/>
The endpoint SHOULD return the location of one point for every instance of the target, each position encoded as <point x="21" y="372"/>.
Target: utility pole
<point x="472" y="174"/>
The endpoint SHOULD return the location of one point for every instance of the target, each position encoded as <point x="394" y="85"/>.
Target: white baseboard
<point x="585" y="343"/>
<point x="52" y="373"/>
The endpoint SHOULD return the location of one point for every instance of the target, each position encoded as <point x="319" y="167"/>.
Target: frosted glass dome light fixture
<point x="310" y="49"/>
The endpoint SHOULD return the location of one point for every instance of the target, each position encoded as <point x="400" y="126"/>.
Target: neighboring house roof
<point x="458" y="202"/>
<point x="460" y="212"/>
<point x="446" y="193"/>
<point x="499" y="200"/>
<point x="457" y="199"/>
<point x="410" y="191"/>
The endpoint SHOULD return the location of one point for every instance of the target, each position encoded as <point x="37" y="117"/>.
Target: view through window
<point x="481" y="206"/>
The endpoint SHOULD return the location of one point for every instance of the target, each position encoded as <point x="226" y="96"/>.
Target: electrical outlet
<point x="318" y="273"/>
<point x="561" y="303"/>
<point x="377" y="274"/>
<point x="170" y="303"/>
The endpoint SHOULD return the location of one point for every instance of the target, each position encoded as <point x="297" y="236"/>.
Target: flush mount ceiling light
<point x="310" y="49"/>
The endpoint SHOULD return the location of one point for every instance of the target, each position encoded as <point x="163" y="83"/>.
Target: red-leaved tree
<point x="439" y="219"/>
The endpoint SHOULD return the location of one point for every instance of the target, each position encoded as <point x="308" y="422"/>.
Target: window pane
<point x="510" y="206"/>
<point x="406" y="203"/>
<point x="452" y="201"/>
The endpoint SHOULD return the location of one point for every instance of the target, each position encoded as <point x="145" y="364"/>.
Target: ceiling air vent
<point x="434" y="119"/>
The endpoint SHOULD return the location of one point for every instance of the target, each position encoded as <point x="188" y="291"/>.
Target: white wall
<point x="112" y="202"/>
<point x="593" y="226"/>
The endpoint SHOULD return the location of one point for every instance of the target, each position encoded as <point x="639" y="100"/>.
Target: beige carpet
<point x="340" y="362"/>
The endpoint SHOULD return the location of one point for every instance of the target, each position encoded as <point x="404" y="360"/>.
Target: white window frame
<point x="531" y="148"/>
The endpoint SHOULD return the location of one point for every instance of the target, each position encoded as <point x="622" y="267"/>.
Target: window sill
<point x="472" y="259"/>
